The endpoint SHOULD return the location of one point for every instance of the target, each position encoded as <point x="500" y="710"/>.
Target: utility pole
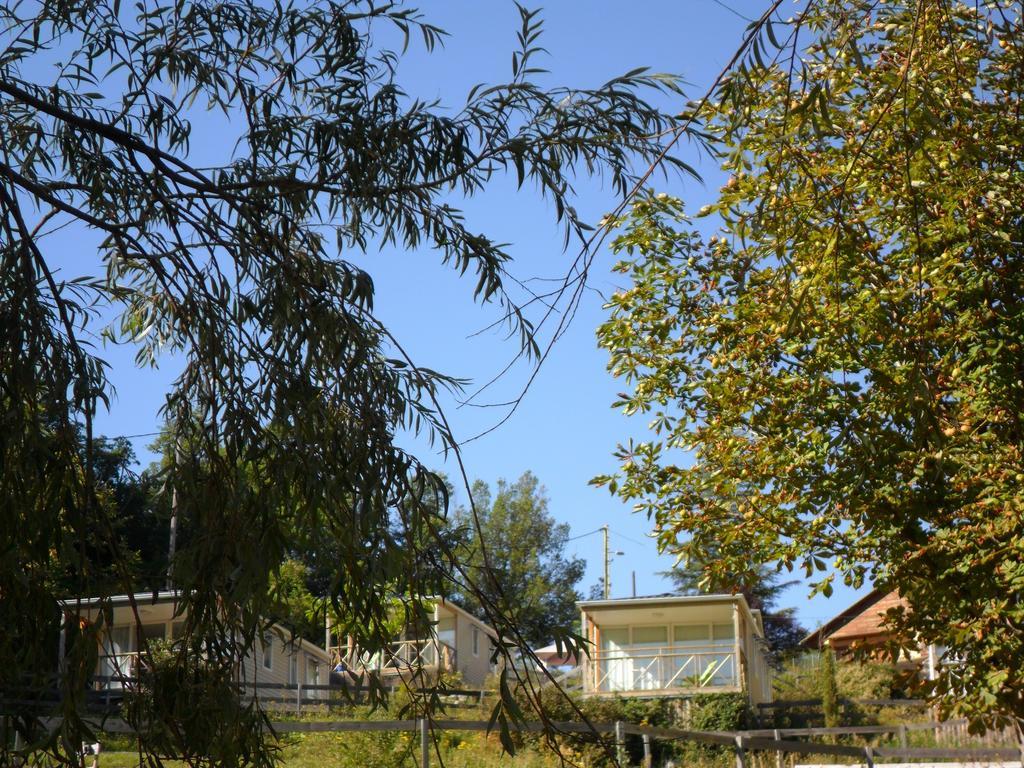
<point x="608" y="554"/>
<point x="607" y="566"/>
<point x="172" y="544"/>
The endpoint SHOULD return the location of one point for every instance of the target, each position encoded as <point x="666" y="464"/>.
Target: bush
<point x="192" y="708"/>
<point x="868" y="680"/>
<point x="802" y="679"/>
<point x="705" y="712"/>
<point x="829" y="689"/>
<point x="719" y="712"/>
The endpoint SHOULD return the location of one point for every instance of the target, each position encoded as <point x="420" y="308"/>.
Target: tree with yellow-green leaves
<point x="829" y="363"/>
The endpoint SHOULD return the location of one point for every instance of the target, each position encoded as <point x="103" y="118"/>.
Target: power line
<point x="629" y="539"/>
<point x="584" y="535"/>
<point x="732" y="10"/>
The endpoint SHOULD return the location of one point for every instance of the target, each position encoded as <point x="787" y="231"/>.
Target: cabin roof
<point x="654" y="602"/>
<point x="817" y="638"/>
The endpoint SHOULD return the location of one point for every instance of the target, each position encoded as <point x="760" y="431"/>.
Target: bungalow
<point x="277" y="658"/>
<point x="674" y="646"/>
<point x="456" y="642"/>
<point x="863" y="625"/>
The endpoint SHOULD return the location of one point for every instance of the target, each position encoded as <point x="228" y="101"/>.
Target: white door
<point x="615" y="672"/>
<point x="115" y="657"/>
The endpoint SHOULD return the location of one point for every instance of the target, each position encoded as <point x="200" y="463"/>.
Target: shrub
<point x="829" y="689"/>
<point x="193" y="708"/>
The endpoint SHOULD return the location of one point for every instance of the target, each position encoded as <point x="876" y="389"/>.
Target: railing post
<point x="648" y="758"/>
<point x="741" y="758"/>
<point x="620" y="742"/>
<point x="298" y="698"/>
<point x="778" y="752"/>
<point x="869" y="756"/>
<point x="903" y="737"/>
<point x="424" y="743"/>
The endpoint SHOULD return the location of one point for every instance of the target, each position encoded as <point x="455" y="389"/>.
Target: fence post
<point x="741" y="758"/>
<point x="620" y="742"/>
<point x="648" y="758"/>
<point x="298" y="698"/>
<point x="424" y="743"/>
<point x="778" y="752"/>
<point x="903" y="737"/>
<point x="869" y="756"/>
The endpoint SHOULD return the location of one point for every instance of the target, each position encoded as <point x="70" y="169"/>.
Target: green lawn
<point x="348" y="750"/>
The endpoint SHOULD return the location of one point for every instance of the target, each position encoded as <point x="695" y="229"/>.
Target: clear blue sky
<point x="565" y="430"/>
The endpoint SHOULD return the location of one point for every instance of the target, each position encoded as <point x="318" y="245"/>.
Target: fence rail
<point x="102" y="698"/>
<point x="845" y="702"/>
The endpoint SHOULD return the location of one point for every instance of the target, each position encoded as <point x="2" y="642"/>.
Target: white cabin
<point x="455" y="642"/>
<point x="278" y="658"/>
<point x="674" y="646"/>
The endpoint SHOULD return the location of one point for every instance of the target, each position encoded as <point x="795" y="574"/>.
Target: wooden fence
<point x="294" y="696"/>
<point x="742" y="743"/>
<point x="790" y="704"/>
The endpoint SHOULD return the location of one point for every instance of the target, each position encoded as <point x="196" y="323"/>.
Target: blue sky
<point x="565" y="429"/>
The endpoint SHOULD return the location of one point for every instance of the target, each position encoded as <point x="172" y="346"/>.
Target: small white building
<point x="278" y="658"/>
<point x="674" y="646"/>
<point x="456" y="641"/>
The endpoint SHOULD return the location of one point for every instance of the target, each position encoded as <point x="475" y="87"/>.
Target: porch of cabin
<point x="673" y="647"/>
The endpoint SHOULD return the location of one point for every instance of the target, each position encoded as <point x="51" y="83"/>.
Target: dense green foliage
<point x="221" y="167"/>
<point x="704" y="712"/>
<point x="515" y="554"/>
<point x="173" y="704"/>
<point x="833" y="380"/>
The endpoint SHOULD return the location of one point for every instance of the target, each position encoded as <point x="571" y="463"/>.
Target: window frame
<point x="267" y="649"/>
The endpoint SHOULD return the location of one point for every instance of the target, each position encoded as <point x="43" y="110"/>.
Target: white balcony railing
<point x="403" y="656"/>
<point x="647" y="668"/>
<point x="115" y="670"/>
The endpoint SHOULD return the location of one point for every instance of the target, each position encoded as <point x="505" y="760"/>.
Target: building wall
<point x="868" y="624"/>
<point x="310" y="668"/>
<point x="474" y="667"/>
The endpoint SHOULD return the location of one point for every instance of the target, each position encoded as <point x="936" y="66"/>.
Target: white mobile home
<point x="674" y="646"/>
<point x="456" y="641"/>
<point x="277" y="658"/>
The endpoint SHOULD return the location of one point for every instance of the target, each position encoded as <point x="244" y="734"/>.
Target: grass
<point x="332" y="750"/>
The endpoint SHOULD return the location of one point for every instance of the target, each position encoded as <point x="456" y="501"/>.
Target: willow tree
<point x="216" y="163"/>
<point x="830" y="362"/>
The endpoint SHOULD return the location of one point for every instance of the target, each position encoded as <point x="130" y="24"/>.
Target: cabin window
<point x="650" y="636"/>
<point x="268" y="651"/>
<point x="312" y="672"/>
<point x="153" y="632"/>
<point x="118" y="641"/>
<point x="614" y="638"/>
<point x="691" y="634"/>
<point x="446" y="631"/>
<point x="476" y="641"/>
<point x="723" y="634"/>
<point x="293" y="669"/>
<point x="115" y="661"/>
